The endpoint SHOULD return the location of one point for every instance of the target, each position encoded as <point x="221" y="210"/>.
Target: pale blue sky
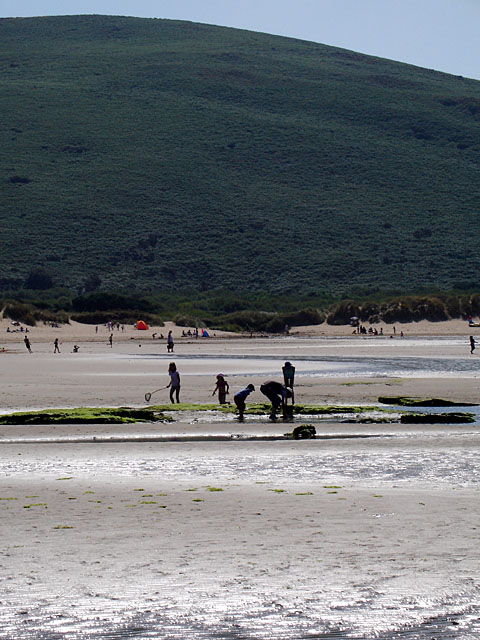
<point x="437" y="34"/>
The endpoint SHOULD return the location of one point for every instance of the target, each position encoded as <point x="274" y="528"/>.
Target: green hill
<point x="164" y="155"/>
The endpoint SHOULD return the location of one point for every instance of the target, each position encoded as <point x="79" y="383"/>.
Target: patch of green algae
<point x="157" y="413"/>
<point x="405" y="401"/>
<point x="261" y="409"/>
<point x="86" y="415"/>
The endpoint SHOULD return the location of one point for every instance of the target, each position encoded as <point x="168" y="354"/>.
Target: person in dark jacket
<point x="277" y="394"/>
<point x="239" y="399"/>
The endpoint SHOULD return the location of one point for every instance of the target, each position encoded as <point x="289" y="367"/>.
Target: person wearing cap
<point x="222" y="388"/>
<point x="239" y="399"/>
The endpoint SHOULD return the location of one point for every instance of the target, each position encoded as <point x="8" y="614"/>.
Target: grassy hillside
<point x="163" y="155"/>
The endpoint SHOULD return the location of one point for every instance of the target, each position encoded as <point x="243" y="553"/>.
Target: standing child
<point x="222" y="388"/>
<point x="472" y="344"/>
<point x="239" y="399"/>
<point x="174" y="383"/>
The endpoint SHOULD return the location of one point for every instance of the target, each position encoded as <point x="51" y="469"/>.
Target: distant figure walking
<point x="110" y="339"/>
<point x="56" y="347"/>
<point x="170" y="342"/>
<point x="174" y="383"/>
<point x="239" y="399"/>
<point x="222" y="387"/>
<point x="27" y="344"/>
<point x="472" y="344"/>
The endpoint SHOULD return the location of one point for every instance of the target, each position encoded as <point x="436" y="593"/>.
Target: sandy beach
<point x="369" y="531"/>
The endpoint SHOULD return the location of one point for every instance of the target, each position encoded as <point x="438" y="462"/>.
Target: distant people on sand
<point x="472" y="344"/>
<point x="222" y="387"/>
<point x="110" y="339"/>
<point x="27" y="344"/>
<point x="239" y="399"/>
<point x="56" y="348"/>
<point x="174" y="383"/>
<point x="277" y="393"/>
<point x="170" y="342"/>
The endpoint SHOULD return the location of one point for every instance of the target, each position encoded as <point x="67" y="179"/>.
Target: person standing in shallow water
<point x="170" y="343"/>
<point x="174" y="383"/>
<point x="56" y="347"/>
<point x="472" y="344"/>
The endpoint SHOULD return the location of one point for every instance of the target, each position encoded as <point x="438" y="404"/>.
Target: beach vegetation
<point x="257" y="313"/>
<point x="30" y="314"/>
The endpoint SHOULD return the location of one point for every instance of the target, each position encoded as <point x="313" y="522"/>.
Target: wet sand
<point x="349" y="537"/>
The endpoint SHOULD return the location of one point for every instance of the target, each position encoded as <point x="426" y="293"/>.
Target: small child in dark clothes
<point x="239" y="399"/>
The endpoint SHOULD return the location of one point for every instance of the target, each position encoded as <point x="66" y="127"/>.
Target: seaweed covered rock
<point x="405" y="401"/>
<point x="303" y="432"/>
<point x="86" y="415"/>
